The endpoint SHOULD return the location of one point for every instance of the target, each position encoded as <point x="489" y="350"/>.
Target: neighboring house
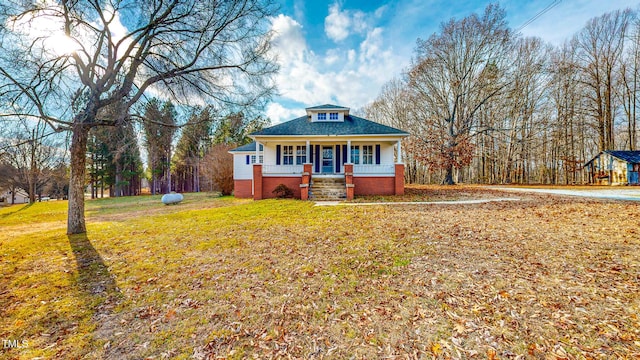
<point x="327" y="154"/>
<point x="20" y="197"/>
<point x="614" y="168"/>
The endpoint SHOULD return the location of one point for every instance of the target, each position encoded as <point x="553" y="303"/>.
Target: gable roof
<point x="352" y="125"/>
<point x="326" y="107"/>
<point x="632" y="157"/>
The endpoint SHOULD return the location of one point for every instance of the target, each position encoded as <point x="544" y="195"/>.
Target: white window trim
<point x="353" y="153"/>
<point x="304" y="153"/>
<point x="293" y="155"/>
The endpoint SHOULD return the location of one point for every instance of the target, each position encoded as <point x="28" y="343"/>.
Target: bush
<point x="282" y="191"/>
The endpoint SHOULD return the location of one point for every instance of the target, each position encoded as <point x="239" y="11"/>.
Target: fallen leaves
<point x="538" y="279"/>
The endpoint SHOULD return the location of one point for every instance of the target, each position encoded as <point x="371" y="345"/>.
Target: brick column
<point x="348" y="179"/>
<point x="257" y="181"/>
<point x="399" y="179"/>
<point x="306" y="179"/>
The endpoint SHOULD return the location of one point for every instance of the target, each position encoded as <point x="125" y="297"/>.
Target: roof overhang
<point x="328" y="138"/>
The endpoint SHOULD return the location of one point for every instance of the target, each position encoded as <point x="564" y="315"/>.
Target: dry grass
<point x="220" y="278"/>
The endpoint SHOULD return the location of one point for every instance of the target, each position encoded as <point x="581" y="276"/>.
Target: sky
<point x="343" y="52"/>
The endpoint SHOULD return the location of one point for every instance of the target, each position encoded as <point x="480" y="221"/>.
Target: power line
<point x="538" y="15"/>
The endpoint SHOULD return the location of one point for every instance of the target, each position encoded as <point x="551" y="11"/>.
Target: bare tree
<point x="33" y="153"/>
<point x="630" y="87"/>
<point x="207" y="50"/>
<point x="218" y="166"/>
<point x="600" y="48"/>
<point x="457" y="72"/>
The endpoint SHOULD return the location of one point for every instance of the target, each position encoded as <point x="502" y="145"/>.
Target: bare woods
<point x="487" y="105"/>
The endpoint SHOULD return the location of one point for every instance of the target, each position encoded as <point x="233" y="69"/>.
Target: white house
<point x="326" y="154"/>
<point x="20" y="197"/>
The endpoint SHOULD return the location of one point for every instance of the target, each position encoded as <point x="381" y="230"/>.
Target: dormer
<point x="328" y="113"/>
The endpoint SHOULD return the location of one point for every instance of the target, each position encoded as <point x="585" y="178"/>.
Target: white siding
<point x="314" y="115"/>
<point x="242" y="171"/>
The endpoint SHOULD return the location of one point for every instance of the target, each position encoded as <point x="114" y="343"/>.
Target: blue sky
<point x="342" y="52"/>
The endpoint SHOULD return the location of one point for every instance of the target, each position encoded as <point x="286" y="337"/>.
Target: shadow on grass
<point x="3" y="216"/>
<point x="93" y="275"/>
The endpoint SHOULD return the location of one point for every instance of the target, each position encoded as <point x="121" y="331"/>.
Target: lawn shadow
<point x="13" y="212"/>
<point x="94" y="278"/>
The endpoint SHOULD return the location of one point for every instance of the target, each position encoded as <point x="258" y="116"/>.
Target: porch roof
<point x="251" y="147"/>
<point x="352" y="125"/>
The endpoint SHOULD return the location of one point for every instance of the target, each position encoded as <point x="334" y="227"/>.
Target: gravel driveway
<point x="629" y="194"/>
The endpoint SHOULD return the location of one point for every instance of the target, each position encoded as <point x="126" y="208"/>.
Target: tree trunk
<point x="448" y="177"/>
<point x="75" y="220"/>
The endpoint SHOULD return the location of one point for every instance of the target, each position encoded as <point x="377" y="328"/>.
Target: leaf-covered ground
<point x="542" y="278"/>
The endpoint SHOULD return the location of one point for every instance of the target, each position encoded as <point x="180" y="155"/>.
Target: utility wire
<point x="538" y="15"/>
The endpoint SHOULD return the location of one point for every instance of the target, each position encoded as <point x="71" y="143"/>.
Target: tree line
<point x="181" y="155"/>
<point x="484" y="104"/>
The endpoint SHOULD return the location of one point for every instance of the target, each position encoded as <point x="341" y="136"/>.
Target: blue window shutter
<point x="248" y="159"/>
<point x="278" y="152"/>
<point x="311" y="153"/>
<point x="338" y="158"/>
<point x="317" y="158"/>
<point x="344" y="154"/>
<point x="377" y="154"/>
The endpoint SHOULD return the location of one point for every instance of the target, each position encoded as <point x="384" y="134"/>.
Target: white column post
<point x="399" y="147"/>
<point x="308" y="160"/>
<point x="349" y="151"/>
<point x="257" y="152"/>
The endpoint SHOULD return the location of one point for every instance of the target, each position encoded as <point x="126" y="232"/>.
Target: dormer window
<point x="333" y="116"/>
<point x="322" y="116"/>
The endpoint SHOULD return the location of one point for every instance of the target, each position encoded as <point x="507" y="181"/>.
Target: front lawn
<point x="214" y="277"/>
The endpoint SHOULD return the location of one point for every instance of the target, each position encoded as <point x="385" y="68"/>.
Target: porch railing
<point x="374" y="169"/>
<point x="282" y="169"/>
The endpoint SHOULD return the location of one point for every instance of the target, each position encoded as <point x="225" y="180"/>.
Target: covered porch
<point x="367" y="158"/>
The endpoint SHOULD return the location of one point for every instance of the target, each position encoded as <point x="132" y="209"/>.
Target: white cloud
<point x="337" y="23"/>
<point x="278" y="113"/>
<point x="343" y="76"/>
<point x="351" y="55"/>
<point x="332" y="56"/>
<point x="371" y="45"/>
<point x="288" y="40"/>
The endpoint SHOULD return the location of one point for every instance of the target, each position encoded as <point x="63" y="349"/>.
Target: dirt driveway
<point x="627" y="194"/>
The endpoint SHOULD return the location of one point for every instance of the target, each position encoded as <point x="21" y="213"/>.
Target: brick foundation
<point x="270" y="183"/>
<point x="242" y="189"/>
<point x="374" y="185"/>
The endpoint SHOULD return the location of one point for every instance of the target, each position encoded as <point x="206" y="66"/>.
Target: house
<point x="614" y="168"/>
<point x="327" y="154"/>
<point x="18" y="196"/>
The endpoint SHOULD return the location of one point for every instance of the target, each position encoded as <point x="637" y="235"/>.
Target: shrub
<point x="282" y="191"/>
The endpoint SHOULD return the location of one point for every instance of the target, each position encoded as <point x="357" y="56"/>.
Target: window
<point x="333" y="116"/>
<point x="322" y="116"/>
<point x="253" y="159"/>
<point x="355" y="154"/>
<point x="301" y="154"/>
<point x="287" y="155"/>
<point x="367" y="154"/>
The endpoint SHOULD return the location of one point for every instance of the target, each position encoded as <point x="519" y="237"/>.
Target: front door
<point x="327" y="160"/>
